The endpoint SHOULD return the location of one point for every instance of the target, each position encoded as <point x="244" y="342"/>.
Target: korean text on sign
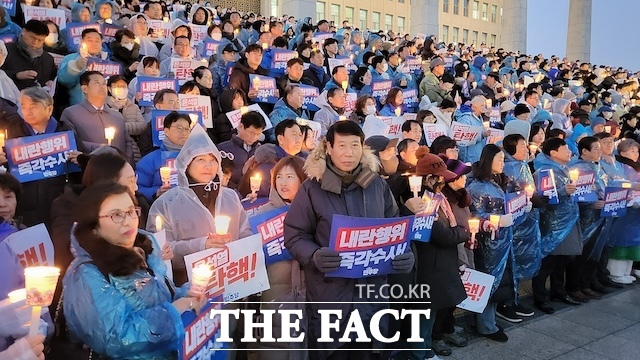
<point x="368" y="246"/>
<point x="615" y="202"/>
<point x="201" y="332"/>
<point x="465" y="135"/>
<point x="270" y="226"/>
<point x="148" y="86"/>
<point x="478" y="286"/>
<point x="266" y="88"/>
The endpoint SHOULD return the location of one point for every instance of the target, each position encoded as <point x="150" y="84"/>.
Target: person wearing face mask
<point x="131" y="6"/>
<point x="365" y="106"/>
<point x="188" y="210"/>
<point x="54" y="43"/>
<point x="380" y="67"/>
<point x="214" y="33"/>
<point x="125" y="51"/>
<point x="119" y="101"/>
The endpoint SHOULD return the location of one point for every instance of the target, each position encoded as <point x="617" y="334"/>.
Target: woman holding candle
<point x="117" y="299"/>
<point x="493" y="256"/>
<point x="188" y="210"/>
<point x="394" y="103"/>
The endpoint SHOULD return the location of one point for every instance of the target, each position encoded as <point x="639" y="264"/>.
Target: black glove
<point x="326" y="260"/>
<point x="403" y="263"/>
<point x="539" y="201"/>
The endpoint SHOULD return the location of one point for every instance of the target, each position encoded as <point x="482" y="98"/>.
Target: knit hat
<point x="458" y="167"/>
<point x="598" y="121"/>
<point x="521" y="109"/>
<point x="430" y="164"/>
<point x="517" y="126"/>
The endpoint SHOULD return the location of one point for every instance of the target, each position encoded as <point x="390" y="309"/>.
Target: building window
<point x="493" y="40"/>
<point x="456" y="7"/>
<point x="320" y="15"/>
<point x="401" y="1"/>
<point x="375" y="22"/>
<point x="500" y="15"/>
<point x="445" y="6"/>
<point x="465" y="8"/>
<point x="349" y="14"/>
<point x="274" y="7"/>
<point x="454" y="36"/>
<point x="400" y="24"/>
<point x="363" y="19"/>
<point x="484" y="38"/>
<point x="465" y="36"/>
<point x="476" y="5"/>
<point x="494" y="11"/>
<point x="388" y="21"/>
<point x="445" y="34"/>
<point x="485" y="8"/>
<point x="335" y="13"/>
<point x="475" y="38"/>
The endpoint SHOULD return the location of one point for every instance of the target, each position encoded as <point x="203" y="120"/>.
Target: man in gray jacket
<point x="91" y="117"/>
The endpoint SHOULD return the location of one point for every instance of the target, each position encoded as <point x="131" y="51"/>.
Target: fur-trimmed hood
<point x="316" y="163"/>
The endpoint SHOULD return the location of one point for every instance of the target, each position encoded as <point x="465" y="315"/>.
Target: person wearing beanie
<point x="517" y="126"/>
<point x="437" y="260"/>
<point x="521" y="112"/>
<point x="597" y="125"/>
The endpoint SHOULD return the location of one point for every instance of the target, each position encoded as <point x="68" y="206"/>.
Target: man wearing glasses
<point x="91" y="117"/>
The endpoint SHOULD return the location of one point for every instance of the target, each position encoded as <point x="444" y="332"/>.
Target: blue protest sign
<point x="201" y="332"/>
<point x="252" y="208"/>
<point x="148" y="86"/>
<point x="9" y="38"/>
<point x="266" y="87"/>
<point x="546" y="186"/>
<point x="615" y="202"/>
<point x="410" y="99"/>
<point x="368" y="245"/>
<point x="270" y="226"/>
<point x="74" y="33"/>
<point x="157" y="124"/>
<point x="228" y="70"/>
<point x="210" y="47"/>
<point x="168" y="159"/>
<point x="109" y="32"/>
<point x="414" y="64"/>
<point x="347" y="61"/>
<point x="380" y="89"/>
<point x="279" y="61"/>
<point x="10" y="6"/>
<point x="38" y="157"/>
<point x="515" y="205"/>
<point x="586" y="187"/>
<point x="106" y="67"/>
<point x="309" y="94"/>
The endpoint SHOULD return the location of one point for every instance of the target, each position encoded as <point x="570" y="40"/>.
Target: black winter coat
<point x="18" y="60"/>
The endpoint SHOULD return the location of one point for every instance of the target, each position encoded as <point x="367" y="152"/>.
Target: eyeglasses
<point x="119" y="216"/>
<point x="181" y="129"/>
<point x="227" y="155"/>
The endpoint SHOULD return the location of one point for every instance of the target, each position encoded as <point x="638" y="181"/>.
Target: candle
<point x="137" y="40"/>
<point x="494" y="220"/>
<point x="474" y="84"/>
<point x="222" y="224"/>
<point x="607" y="129"/>
<point x="108" y="21"/>
<point x="506" y="92"/>
<point x="200" y="276"/>
<point x="489" y="103"/>
<point x="84" y="46"/>
<point x="165" y="175"/>
<point x="529" y="189"/>
<point x="533" y="148"/>
<point x="545" y="102"/>
<point x="398" y="111"/>
<point x="265" y="46"/>
<point x="362" y="45"/>
<point x="2" y="139"/>
<point x="373" y="49"/>
<point x="342" y="118"/>
<point x="626" y="185"/>
<point x="165" y="18"/>
<point x="256" y="83"/>
<point x="158" y="223"/>
<point x="244" y="110"/>
<point x="266" y="27"/>
<point x="415" y="184"/>
<point x="255" y="182"/>
<point x="427" y="202"/>
<point x="17" y="295"/>
<point x="474" y="228"/>
<point x="109" y="134"/>
<point x="574" y="174"/>
<point x="345" y="84"/>
<point x="40" y="283"/>
<point x="486" y="124"/>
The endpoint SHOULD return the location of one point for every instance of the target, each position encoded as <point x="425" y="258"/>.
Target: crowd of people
<point x="537" y="119"/>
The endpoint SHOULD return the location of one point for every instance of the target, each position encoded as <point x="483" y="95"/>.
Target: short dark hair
<point x="253" y="118"/>
<point x="332" y="92"/>
<point x="294" y="61"/>
<point x="552" y="144"/>
<point x="529" y="93"/>
<point x="114" y="79"/>
<point x="86" y="77"/>
<point x="283" y="126"/>
<point x="124" y="32"/>
<point x="329" y="41"/>
<point x="404" y="144"/>
<point x="37" y="27"/>
<point x="104" y="167"/>
<point x="252" y="48"/>
<point x="510" y="142"/>
<point x="159" y="96"/>
<point x="280" y="42"/>
<point x="175" y="116"/>
<point x="442" y="143"/>
<point x="335" y="69"/>
<point x="603" y="135"/>
<point x="175" y="41"/>
<point x="88" y="31"/>
<point x="555" y="133"/>
<point x="344" y="128"/>
<point x="199" y="72"/>
<point x="9" y="183"/>
<point x="586" y="143"/>
<point x="447" y="104"/>
<point x="149" y="60"/>
<point x="406" y="126"/>
<point x="377" y="60"/>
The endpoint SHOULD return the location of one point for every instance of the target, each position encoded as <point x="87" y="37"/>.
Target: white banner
<point x="236" y="115"/>
<point x="314" y="125"/>
<point x="32" y="246"/>
<point x="432" y="131"/>
<point x="198" y="103"/>
<point x="182" y="68"/>
<point x="373" y="126"/>
<point x="199" y="33"/>
<point x="395" y="126"/>
<point x="478" y="287"/>
<point x="465" y="135"/>
<point x="40" y="13"/>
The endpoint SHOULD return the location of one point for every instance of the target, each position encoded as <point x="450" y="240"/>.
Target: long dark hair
<point x="482" y="169"/>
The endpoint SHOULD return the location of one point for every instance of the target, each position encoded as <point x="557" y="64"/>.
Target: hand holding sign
<point x="326" y="260"/>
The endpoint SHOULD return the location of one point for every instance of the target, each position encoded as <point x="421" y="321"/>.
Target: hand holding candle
<point x="40" y="284"/>
<point x="415" y="184"/>
<point x="529" y="189"/>
<point x="2" y="139"/>
<point x="222" y="224"/>
<point x="200" y="276"/>
<point x="494" y="220"/>
<point x="574" y="174"/>
<point x="158" y="223"/>
<point x="109" y="134"/>
<point x="165" y="175"/>
<point x="255" y="182"/>
<point x="474" y="228"/>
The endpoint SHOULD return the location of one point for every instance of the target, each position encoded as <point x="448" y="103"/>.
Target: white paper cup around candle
<point x="533" y="148"/>
<point x="222" y="224"/>
<point x="255" y="182"/>
<point x="486" y="124"/>
<point x="345" y="84"/>
<point x="165" y="175"/>
<point x="109" y="134"/>
<point x="626" y="185"/>
<point x="415" y="184"/>
<point x="244" y="110"/>
<point x="362" y="45"/>
<point x="256" y="83"/>
<point x="342" y="118"/>
<point x="427" y="202"/>
<point x="607" y="129"/>
<point x="574" y="174"/>
<point x="17" y="295"/>
<point x="2" y="139"/>
<point x="506" y="92"/>
<point x="108" y="21"/>
<point x="529" y="190"/>
<point x="158" y="223"/>
<point x="165" y="19"/>
<point x="200" y="276"/>
<point x="489" y="103"/>
<point x="495" y="222"/>
<point x="545" y="102"/>
<point x="398" y="111"/>
<point x="474" y="226"/>
<point x="40" y="284"/>
<point x="265" y="46"/>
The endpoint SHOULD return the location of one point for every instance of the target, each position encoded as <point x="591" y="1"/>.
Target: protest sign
<point x="270" y="226"/>
<point x="315" y="126"/>
<point x="432" y="131"/>
<point x="57" y="58"/>
<point x="496" y="136"/>
<point x="309" y="93"/>
<point x="395" y="125"/>
<point x="635" y="198"/>
<point x="38" y="157"/>
<point x="42" y="14"/>
<point x="105" y="67"/>
<point x="252" y="208"/>
<point x="373" y="126"/>
<point x="239" y="268"/>
<point x="279" y="61"/>
<point x="200" y="103"/>
<point x="10" y="6"/>
<point x="367" y="245"/>
<point x="182" y="68"/>
<point x="109" y="32"/>
<point x="319" y="37"/>
<point x="546" y="186"/>
<point x="199" y="33"/>
<point x="516" y="203"/>
<point x="422" y="223"/>
<point x="228" y="71"/>
<point x="201" y="332"/>
<point x="413" y="65"/>
<point x="615" y="202"/>
<point x="410" y="97"/>
<point x="159" y="29"/>
<point x="478" y="287"/>
<point x="465" y="135"/>
<point x="32" y="246"/>
<point x="380" y="89"/>
<point x="350" y="103"/>
<point x="235" y="116"/>
<point x="74" y="34"/>
<point x="157" y="118"/>
<point x="161" y="239"/>
<point x="149" y="86"/>
<point x="585" y="187"/>
<point x="210" y="47"/>
<point x="266" y="88"/>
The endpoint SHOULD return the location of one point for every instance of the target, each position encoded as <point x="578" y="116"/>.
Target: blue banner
<point x="546" y="186"/>
<point x="348" y="63"/>
<point x="74" y="33"/>
<point x="410" y="100"/>
<point x="368" y="245"/>
<point x="229" y="69"/>
<point x="309" y="94"/>
<point x="615" y="202"/>
<point x="201" y="333"/>
<point x="380" y="89"/>
<point x="252" y="208"/>
<point x="279" y="61"/>
<point x="270" y="226"/>
<point x="109" y="32"/>
<point x="38" y="157"/>
<point x="515" y="205"/>
<point x="414" y="64"/>
<point x="266" y="87"/>
<point x="148" y="86"/>
<point x="10" y="6"/>
<point x="106" y="67"/>
<point x="157" y="124"/>
<point x="210" y="47"/>
<point x="8" y="38"/>
<point x="586" y="187"/>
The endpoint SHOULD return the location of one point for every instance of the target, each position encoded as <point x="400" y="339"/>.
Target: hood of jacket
<point x="323" y="102"/>
<point x="243" y="66"/>
<point x="479" y="61"/>
<point x="282" y="106"/>
<point x="75" y="11"/>
<point x="226" y="100"/>
<point x="275" y="199"/>
<point x="316" y="163"/>
<point x="560" y="106"/>
<point x="198" y="143"/>
<point x="544" y="161"/>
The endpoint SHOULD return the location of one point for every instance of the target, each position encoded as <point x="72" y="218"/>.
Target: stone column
<point x="579" y="34"/>
<point x="424" y="17"/>
<point x="298" y="8"/>
<point x="514" y="26"/>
